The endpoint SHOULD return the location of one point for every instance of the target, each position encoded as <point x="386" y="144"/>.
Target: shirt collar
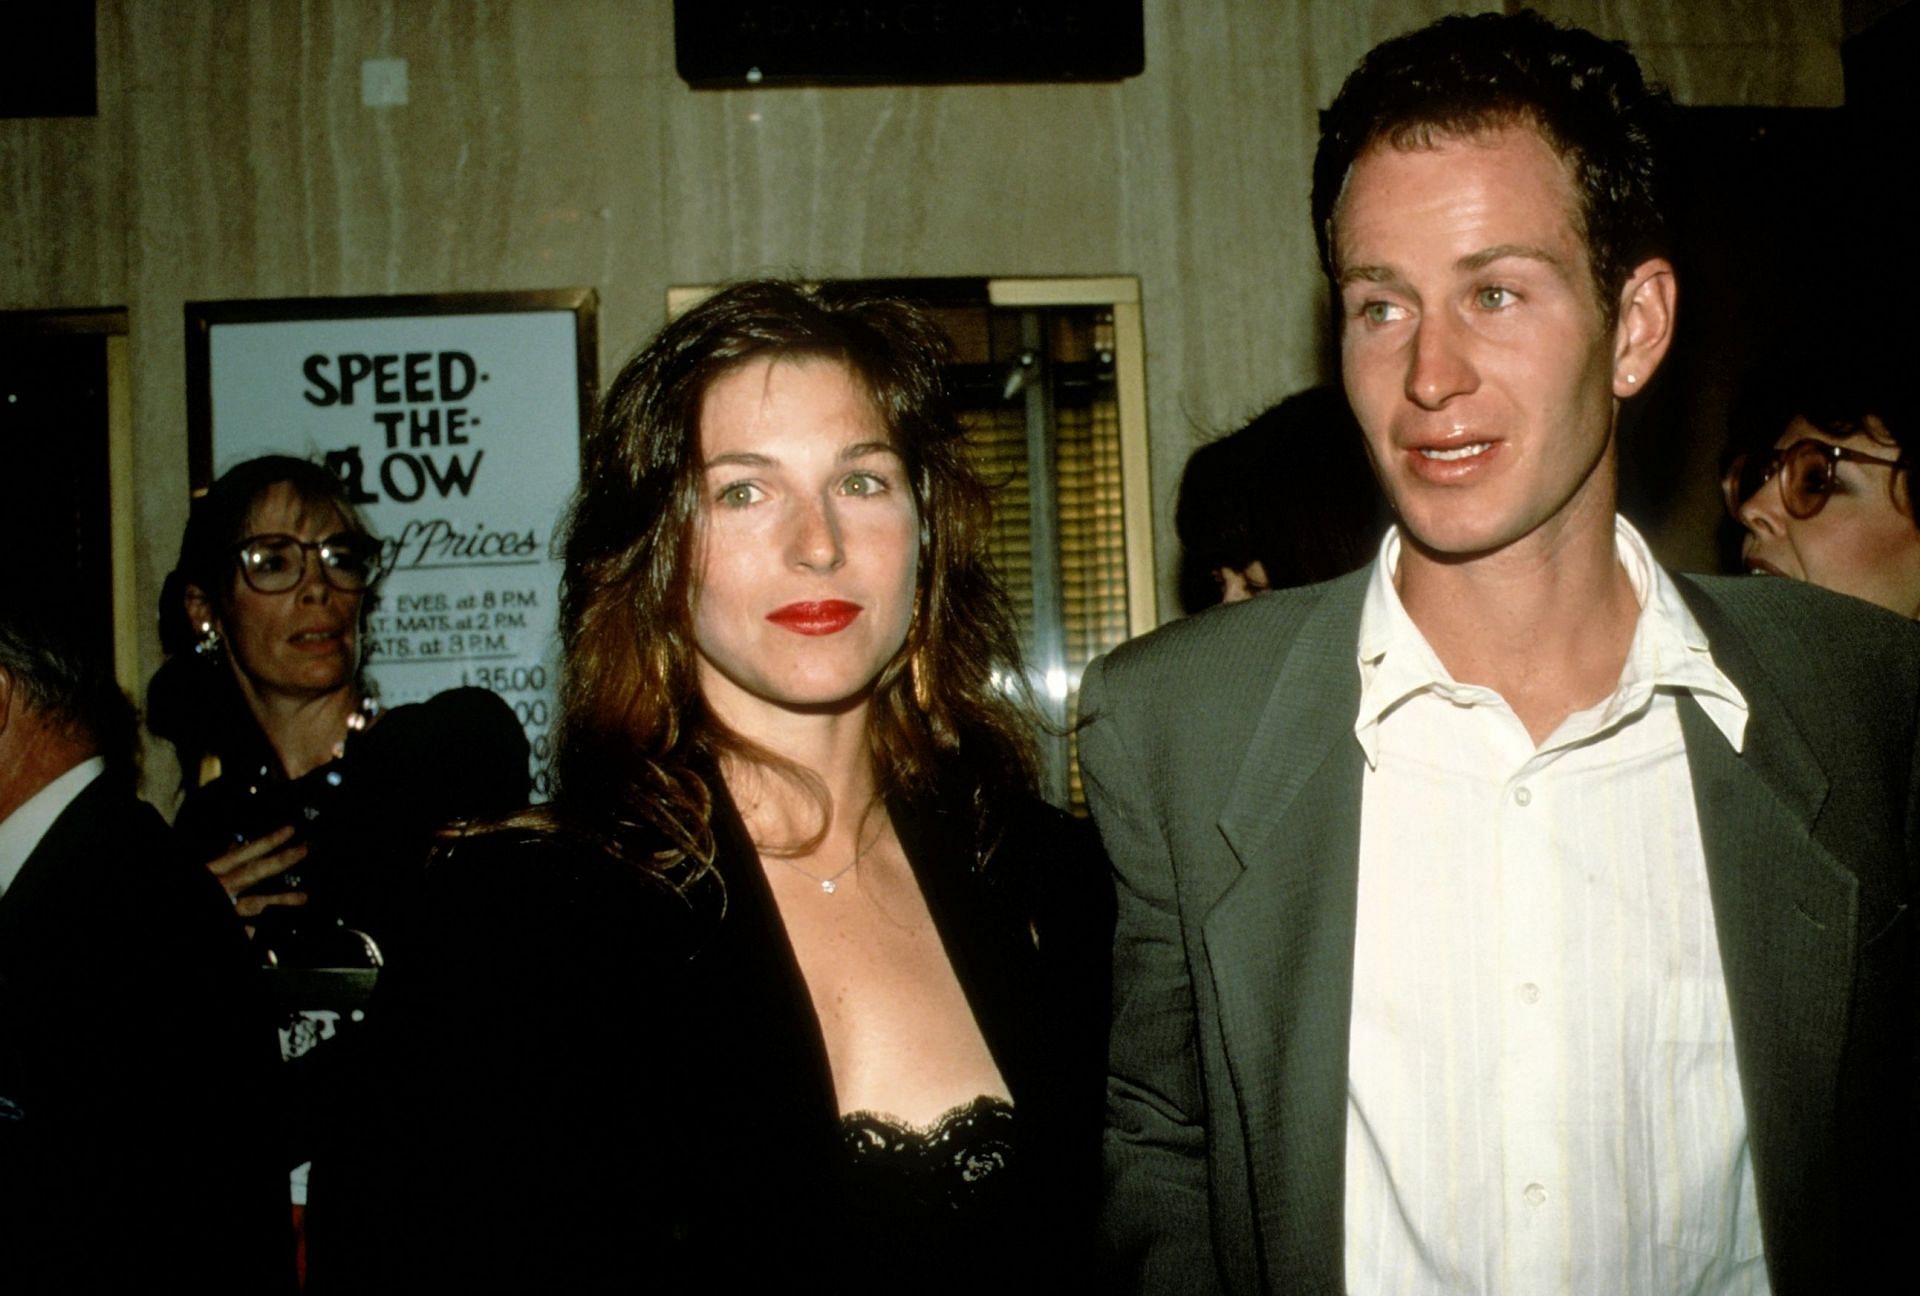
<point x="1669" y="650"/>
<point x="21" y="831"/>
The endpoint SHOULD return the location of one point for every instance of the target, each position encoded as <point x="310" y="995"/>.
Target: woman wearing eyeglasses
<point x="312" y="805"/>
<point x="1826" y="496"/>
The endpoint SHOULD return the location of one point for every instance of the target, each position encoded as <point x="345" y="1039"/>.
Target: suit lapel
<point x="754" y="1006"/>
<point x="1785" y="911"/>
<point x="989" y="950"/>
<point x="1279" y="943"/>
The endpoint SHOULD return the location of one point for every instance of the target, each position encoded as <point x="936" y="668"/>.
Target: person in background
<point x="796" y="981"/>
<point x="313" y="805"/>
<point x="1287" y="500"/>
<point x="1818" y="473"/>
<point x="1513" y="915"/>
<point x="136" y="1054"/>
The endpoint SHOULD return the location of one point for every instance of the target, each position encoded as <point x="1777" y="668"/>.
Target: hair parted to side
<point x="1466" y="75"/>
<point x="634" y="741"/>
<point x="192" y="700"/>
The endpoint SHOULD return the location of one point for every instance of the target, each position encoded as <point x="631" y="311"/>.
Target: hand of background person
<point x="253" y="862"/>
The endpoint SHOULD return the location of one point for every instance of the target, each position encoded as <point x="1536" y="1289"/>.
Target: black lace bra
<point x="961" y="1163"/>
<point x="937" y="1206"/>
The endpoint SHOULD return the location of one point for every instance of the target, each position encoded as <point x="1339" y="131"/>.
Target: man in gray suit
<point x="1512" y="915"/>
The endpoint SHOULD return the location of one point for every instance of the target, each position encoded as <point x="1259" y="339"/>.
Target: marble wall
<point x="549" y="143"/>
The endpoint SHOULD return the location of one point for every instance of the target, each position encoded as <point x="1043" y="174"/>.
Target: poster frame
<point x="202" y="317"/>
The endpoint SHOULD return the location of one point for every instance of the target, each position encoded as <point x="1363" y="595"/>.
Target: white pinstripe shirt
<point x="1542" y="1093"/>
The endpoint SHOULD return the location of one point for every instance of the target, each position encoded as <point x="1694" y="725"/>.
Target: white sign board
<point x="457" y="428"/>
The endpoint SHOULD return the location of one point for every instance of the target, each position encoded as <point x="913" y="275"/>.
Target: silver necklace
<point x="831" y="884"/>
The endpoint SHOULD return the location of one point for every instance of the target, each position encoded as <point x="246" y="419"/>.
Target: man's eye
<point x="1494" y="298"/>
<point x="1379" y="312"/>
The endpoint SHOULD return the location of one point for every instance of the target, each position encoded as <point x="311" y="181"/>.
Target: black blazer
<point x="592" y="1082"/>
<point x="136" y="1069"/>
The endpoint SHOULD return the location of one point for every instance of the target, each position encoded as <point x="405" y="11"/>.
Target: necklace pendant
<point x="827" y="885"/>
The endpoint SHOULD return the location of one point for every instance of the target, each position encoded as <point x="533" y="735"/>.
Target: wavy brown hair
<point x="635" y="743"/>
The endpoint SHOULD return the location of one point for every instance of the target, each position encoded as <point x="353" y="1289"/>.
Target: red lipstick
<point x="824" y="618"/>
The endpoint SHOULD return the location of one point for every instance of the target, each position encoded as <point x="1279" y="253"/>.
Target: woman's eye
<point x="1494" y="298"/>
<point x="863" y="484"/>
<point x="738" y="495"/>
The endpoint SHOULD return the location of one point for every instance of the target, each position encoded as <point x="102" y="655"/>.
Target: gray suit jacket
<point x="1222" y="767"/>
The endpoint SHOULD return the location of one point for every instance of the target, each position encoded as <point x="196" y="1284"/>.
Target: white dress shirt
<point x="21" y="831"/>
<point x="1542" y="1091"/>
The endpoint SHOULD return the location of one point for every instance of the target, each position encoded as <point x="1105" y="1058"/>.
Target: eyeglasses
<point x="274" y="564"/>
<point x="1806" y="471"/>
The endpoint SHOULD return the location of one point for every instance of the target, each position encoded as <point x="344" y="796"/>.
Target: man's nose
<point x="1438" y="366"/>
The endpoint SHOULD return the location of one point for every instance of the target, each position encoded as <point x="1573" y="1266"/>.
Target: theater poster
<point x="455" y="421"/>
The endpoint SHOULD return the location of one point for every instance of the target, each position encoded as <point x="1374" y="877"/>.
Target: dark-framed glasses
<point x="275" y="563"/>
<point x="1805" y="469"/>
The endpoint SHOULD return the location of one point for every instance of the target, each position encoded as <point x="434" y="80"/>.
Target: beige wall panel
<point x="1727" y="52"/>
<point x="963" y="180"/>
<point x="62" y="196"/>
<point x="271" y="178"/>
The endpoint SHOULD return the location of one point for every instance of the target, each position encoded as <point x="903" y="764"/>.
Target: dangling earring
<point x="208" y="644"/>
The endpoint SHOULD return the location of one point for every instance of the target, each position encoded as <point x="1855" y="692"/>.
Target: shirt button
<point x="1530" y="993"/>
<point x="1522" y="797"/>
<point x="1535" y="1194"/>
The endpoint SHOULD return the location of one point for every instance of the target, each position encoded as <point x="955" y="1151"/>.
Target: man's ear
<point x="1640" y="340"/>
<point x="6" y="698"/>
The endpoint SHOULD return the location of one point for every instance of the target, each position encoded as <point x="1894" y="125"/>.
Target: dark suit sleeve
<point x="499" y="1135"/>
<point x="132" y="1009"/>
<point x="1157" y="1222"/>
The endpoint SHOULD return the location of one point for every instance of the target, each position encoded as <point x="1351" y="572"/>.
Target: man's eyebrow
<point x="1369" y="274"/>
<point x="1501" y="251"/>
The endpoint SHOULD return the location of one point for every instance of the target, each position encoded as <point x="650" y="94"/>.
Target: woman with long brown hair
<point x="796" y="977"/>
